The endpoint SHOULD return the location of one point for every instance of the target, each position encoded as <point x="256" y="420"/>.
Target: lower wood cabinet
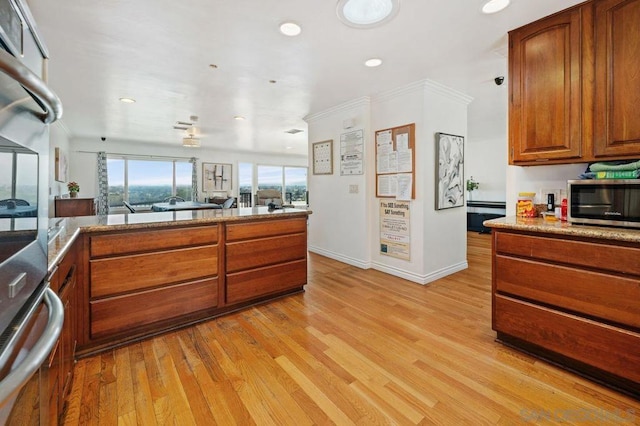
<point x="146" y="281"/>
<point x="575" y="302"/>
<point x="65" y="207"/>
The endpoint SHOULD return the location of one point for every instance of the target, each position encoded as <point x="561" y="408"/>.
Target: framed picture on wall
<point x="449" y="171"/>
<point x="61" y="165"/>
<point x="322" y="157"/>
<point x="216" y="177"/>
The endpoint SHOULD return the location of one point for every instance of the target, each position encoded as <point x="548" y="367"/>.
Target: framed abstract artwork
<point x="449" y="171"/>
<point x="216" y="177"/>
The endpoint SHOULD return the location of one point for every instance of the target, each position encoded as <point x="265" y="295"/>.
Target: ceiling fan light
<point x="493" y="6"/>
<point x="191" y="142"/>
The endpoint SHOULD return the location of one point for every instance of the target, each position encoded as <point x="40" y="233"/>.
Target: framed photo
<point x="61" y="165"/>
<point x="216" y="177"/>
<point x="323" y="157"/>
<point x="449" y="171"/>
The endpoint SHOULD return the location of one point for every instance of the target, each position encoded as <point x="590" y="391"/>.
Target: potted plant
<point x="472" y="185"/>
<point x="74" y="188"/>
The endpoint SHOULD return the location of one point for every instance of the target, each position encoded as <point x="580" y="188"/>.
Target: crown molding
<point x="422" y="86"/>
<point x="363" y="101"/>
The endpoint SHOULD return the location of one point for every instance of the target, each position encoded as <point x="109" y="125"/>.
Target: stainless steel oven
<point x="31" y="315"/>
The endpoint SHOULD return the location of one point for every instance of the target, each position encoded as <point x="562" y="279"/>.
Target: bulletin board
<point x="395" y="162"/>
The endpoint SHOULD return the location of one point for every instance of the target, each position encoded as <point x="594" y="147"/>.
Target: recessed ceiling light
<point x="127" y="100"/>
<point x="493" y="6"/>
<point x="293" y="131"/>
<point x="238" y="117"/>
<point x="290" y="29"/>
<point x="289" y="147"/>
<point x="373" y="62"/>
<point x="367" y="13"/>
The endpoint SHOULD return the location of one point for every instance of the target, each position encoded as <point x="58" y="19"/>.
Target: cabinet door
<point x="617" y="78"/>
<point x="545" y="108"/>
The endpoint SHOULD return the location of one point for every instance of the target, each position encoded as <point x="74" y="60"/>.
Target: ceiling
<point x="159" y="53"/>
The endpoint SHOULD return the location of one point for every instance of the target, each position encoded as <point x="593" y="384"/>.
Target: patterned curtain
<point x="103" y="184"/>
<point x="194" y="179"/>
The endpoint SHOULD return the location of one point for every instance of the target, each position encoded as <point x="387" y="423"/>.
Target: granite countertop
<point x="64" y="231"/>
<point x="564" y="228"/>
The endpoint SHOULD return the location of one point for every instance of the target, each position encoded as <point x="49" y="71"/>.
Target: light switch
<point x="353" y="189"/>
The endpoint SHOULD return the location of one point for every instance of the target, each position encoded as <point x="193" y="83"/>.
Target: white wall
<point x="338" y="227"/>
<point x="346" y="226"/>
<point x="83" y="160"/>
<point x="539" y="179"/>
<point x="486" y="160"/>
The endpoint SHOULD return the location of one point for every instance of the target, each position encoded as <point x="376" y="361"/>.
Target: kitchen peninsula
<point x="569" y="294"/>
<point x="143" y="274"/>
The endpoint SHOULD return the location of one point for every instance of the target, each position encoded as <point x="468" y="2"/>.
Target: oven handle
<point x="34" y="84"/>
<point x="16" y="379"/>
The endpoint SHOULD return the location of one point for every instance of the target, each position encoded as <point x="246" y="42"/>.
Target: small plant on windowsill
<point x="73" y="188"/>
<point x="472" y="185"/>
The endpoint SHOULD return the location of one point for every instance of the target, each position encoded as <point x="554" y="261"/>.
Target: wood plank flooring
<point x="357" y="347"/>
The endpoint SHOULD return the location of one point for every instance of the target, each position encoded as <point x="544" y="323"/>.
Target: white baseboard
<point x="418" y="278"/>
<point x="340" y="258"/>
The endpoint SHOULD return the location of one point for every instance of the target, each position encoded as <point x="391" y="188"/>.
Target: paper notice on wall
<point x="404" y="161"/>
<point x="402" y="142"/>
<point x="405" y="186"/>
<point x="352" y="153"/>
<point x="395" y="235"/>
<point x="384" y="142"/>
<point x="387" y="185"/>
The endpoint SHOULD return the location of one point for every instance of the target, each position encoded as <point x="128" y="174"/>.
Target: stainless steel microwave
<point x="613" y="202"/>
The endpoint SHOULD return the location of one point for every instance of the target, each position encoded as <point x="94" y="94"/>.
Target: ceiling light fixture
<point x="367" y="13"/>
<point x="373" y="62"/>
<point x="238" y="118"/>
<point x="290" y="29"/>
<point x="191" y="142"/>
<point x="493" y="6"/>
<point x="127" y="100"/>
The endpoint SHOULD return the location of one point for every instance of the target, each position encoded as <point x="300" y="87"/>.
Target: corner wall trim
<point x="420" y="279"/>
<point x="340" y="258"/>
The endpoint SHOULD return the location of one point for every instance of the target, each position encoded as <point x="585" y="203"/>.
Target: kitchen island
<point x="569" y="294"/>
<point x="142" y="274"/>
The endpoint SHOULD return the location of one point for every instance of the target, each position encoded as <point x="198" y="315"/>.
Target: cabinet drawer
<point x="121" y="314"/>
<point x="247" y="285"/>
<point x="595" y="294"/>
<point x="115" y="275"/>
<point x="140" y="241"/>
<point x="607" y="348"/>
<point x="592" y="255"/>
<point x="243" y="231"/>
<point x="266" y="251"/>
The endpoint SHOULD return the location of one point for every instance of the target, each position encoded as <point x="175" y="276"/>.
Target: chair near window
<point x="14" y="201"/>
<point x="174" y="198"/>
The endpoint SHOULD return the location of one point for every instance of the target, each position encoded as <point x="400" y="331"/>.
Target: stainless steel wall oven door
<point x="31" y="315"/>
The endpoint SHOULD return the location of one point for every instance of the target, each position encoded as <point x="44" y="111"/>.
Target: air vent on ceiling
<point x="294" y="131"/>
<point x="181" y="127"/>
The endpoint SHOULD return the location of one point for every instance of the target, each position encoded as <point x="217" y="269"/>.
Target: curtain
<point x="103" y="184"/>
<point x="194" y="179"/>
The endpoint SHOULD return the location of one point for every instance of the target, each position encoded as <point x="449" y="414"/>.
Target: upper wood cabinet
<point x="547" y="98"/>
<point x="617" y="78"/>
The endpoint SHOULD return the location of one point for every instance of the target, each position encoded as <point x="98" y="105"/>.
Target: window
<point x="245" y="184"/>
<point x="144" y="182"/>
<point x="292" y="179"/>
<point x="25" y="184"/>
<point x="295" y="185"/>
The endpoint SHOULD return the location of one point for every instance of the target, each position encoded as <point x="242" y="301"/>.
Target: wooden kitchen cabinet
<point x="264" y="258"/>
<point x="66" y="207"/>
<point x="573" y="85"/>
<point x="573" y="301"/>
<point x="546" y="88"/>
<point x="617" y="83"/>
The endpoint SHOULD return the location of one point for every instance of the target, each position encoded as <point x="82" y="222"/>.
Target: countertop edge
<point x="539" y="225"/>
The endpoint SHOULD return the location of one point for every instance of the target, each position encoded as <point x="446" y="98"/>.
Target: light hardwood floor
<point x="357" y="347"/>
